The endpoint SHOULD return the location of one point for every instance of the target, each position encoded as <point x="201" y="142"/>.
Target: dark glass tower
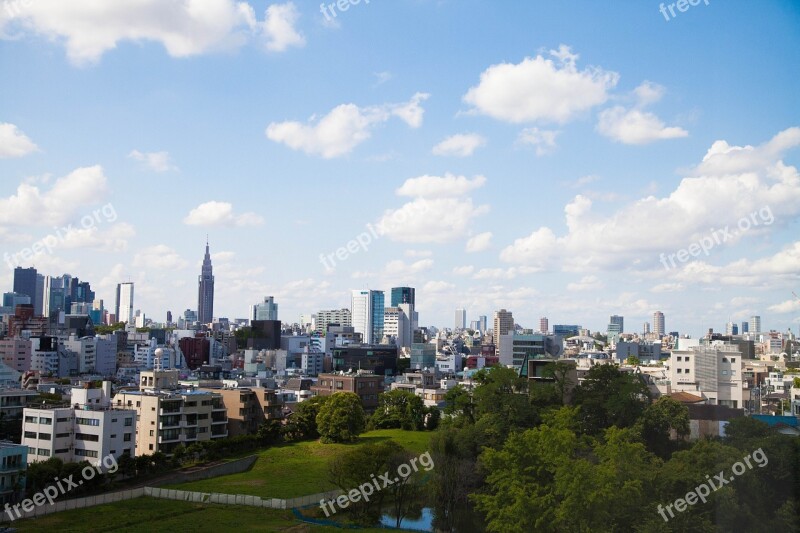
<point x="402" y="295"/>
<point x="205" y="297"/>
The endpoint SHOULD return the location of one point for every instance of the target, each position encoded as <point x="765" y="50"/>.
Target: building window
<point x="30" y="434"/>
<point x="679" y="358"/>
<point x="62" y="450"/>
<point x="126" y="437"/>
<point x="62" y="435"/>
<point x="724" y="359"/>
<point x="152" y="433"/>
<point x="687" y="359"/>
<point x="47" y="421"/>
<point x="150" y="447"/>
<point x="687" y="371"/>
<point x="31" y="420"/>
<point x="86" y="436"/>
<point x="87" y="421"/>
<point x="44" y="436"/>
<point x="43" y="452"/>
<point x="733" y="359"/>
<point x="733" y="372"/>
<point x="86" y="453"/>
<point x="62" y="419"/>
<point x="113" y="420"/>
<point x="724" y="372"/>
<point x="679" y="371"/>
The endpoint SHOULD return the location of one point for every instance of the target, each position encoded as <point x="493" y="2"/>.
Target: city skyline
<point x="661" y="183"/>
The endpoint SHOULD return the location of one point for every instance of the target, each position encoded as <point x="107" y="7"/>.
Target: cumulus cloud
<point x="587" y="283"/>
<point x="159" y="257"/>
<point x="439" y="211"/>
<point x="343" y="128"/>
<point x="479" y="242"/>
<point x="543" y="140"/>
<point x="279" y="27"/>
<point x="155" y="161"/>
<point x="730" y="184"/>
<point x="67" y="197"/>
<point x="541" y="89"/>
<point x="460" y="145"/>
<point x="635" y="125"/>
<point x="14" y="143"/>
<point x="398" y="267"/>
<point x="220" y="214"/>
<point x="89" y="29"/>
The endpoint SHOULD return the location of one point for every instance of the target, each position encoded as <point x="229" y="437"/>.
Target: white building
<point x="125" y="302"/>
<point x="713" y="372"/>
<point x="89" y="430"/>
<point x="313" y="362"/>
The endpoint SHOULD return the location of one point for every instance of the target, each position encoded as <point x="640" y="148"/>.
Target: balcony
<point x="164" y="440"/>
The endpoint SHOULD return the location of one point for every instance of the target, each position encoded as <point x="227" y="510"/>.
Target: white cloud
<point x="788" y="306"/>
<point x="220" y="214"/>
<point x="418" y="253"/>
<point x="668" y="287"/>
<point x="587" y="283"/>
<point x="440" y="186"/>
<point x="279" y="27"/>
<point x="460" y="145"/>
<point x="504" y="273"/>
<point x="67" y="197"/>
<point x="398" y="266"/>
<point x="14" y="143"/>
<point x="543" y="140"/>
<point x="463" y="270"/>
<point x="479" y="242"/>
<point x="438" y="213"/>
<point x="155" y="161"/>
<point x="433" y="287"/>
<point x="159" y="257"/>
<point x="539" y="89"/>
<point x="344" y="127"/>
<point x="89" y="29"/>
<point x="713" y="198"/>
<point x="636" y="126"/>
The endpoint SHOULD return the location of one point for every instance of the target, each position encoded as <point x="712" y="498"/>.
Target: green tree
<point x="610" y="397"/>
<point x="341" y="418"/>
<point x="658" y="421"/>
<point x="302" y="424"/>
<point x="459" y="404"/>
<point x="269" y="432"/>
<point x="399" y="409"/>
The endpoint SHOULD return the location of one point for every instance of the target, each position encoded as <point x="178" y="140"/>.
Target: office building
<point x="544" y="325"/>
<point x="366" y="310"/>
<point x="13" y="464"/>
<point x="503" y="325"/>
<point x="205" y="291"/>
<point x="124" y="307"/>
<point x="266" y="310"/>
<point x="659" y="329"/>
<point x="403" y="295"/>
<point x="755" y="324"/>
<point x="566" y="330"/>
<point x="461" y="319"/>
<point x="25" y="280"/>
<point x="618" y="321"/>
<point x="378" y="359"/>
<point x="745" y="327"/>
<point x="423" y="356"/>
<point x="516" y="349"/>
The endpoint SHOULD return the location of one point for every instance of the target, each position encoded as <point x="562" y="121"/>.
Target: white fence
<point x="76" y="503"/>
<point x="238" y="499"/>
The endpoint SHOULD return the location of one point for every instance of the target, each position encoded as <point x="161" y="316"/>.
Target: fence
<point x="78" y="503"/>
<point x="238" y="499"/>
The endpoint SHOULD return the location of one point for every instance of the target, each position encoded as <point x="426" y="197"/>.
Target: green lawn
<point x="298" y="469"/>
<point x="152" y="515"/>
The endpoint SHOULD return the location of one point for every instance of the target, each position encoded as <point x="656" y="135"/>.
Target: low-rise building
<point x="249" y="408"/>
<point x="13" y="463"/>
<point x="86" y="430"/>
<point x="366" y="386"/>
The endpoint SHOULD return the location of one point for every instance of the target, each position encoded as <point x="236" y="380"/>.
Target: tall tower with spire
<point x="205" y="297"/>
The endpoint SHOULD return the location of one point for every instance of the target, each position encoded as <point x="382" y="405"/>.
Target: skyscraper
<point x="367" y="312"/>
<point x="266" y="310"/>
<point x="755" y="324"/>
<point x="616" y="319"/>
<point x="461" y="319"/>
<point x="124" y="307"/>
<point x="544" y="325"/>
<point x="745" y="327"/>
<point x="503" y="325"/>
<point x="205" y="291"/>
<point x="402" y="295"/>
<point x="25" y="282"/>
<point x="658" y="324"/>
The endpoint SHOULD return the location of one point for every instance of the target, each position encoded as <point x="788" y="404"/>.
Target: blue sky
<point x="537" y="156"/>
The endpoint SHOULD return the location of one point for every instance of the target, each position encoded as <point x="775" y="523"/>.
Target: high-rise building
<point x="646" y="328"/>
<point x="755" y="324"/>
<point x="124" y="307"/>
<point x="325" y="317"/>
<point x="620" y="321"/>
<point x="544" y="325"/>
<point x="366" y="311"/>
<point x="745" y="327"/>
<point x="54" y="296"/>
<point x="266" y="310"/>
<point x="461" y="319"/>
<point x="483" y="323"/>
<point x="503" y="325"/>
<point x="25" y="282"/>
<point x="658" y="324"/>
<point x="205" y="291"/>
<point x="403" y="295"/>
<point x="38" y="300"/>
<point x="566" y="330"/>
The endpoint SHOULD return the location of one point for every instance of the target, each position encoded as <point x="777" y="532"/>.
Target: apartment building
<point x="366" y="386"/>
<point x="167" y="417"/>
<point x="86" y="430"/>
<point x="714" y="372"/>
<point x="248" y="408"/>
<point x="16" y="353"/>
